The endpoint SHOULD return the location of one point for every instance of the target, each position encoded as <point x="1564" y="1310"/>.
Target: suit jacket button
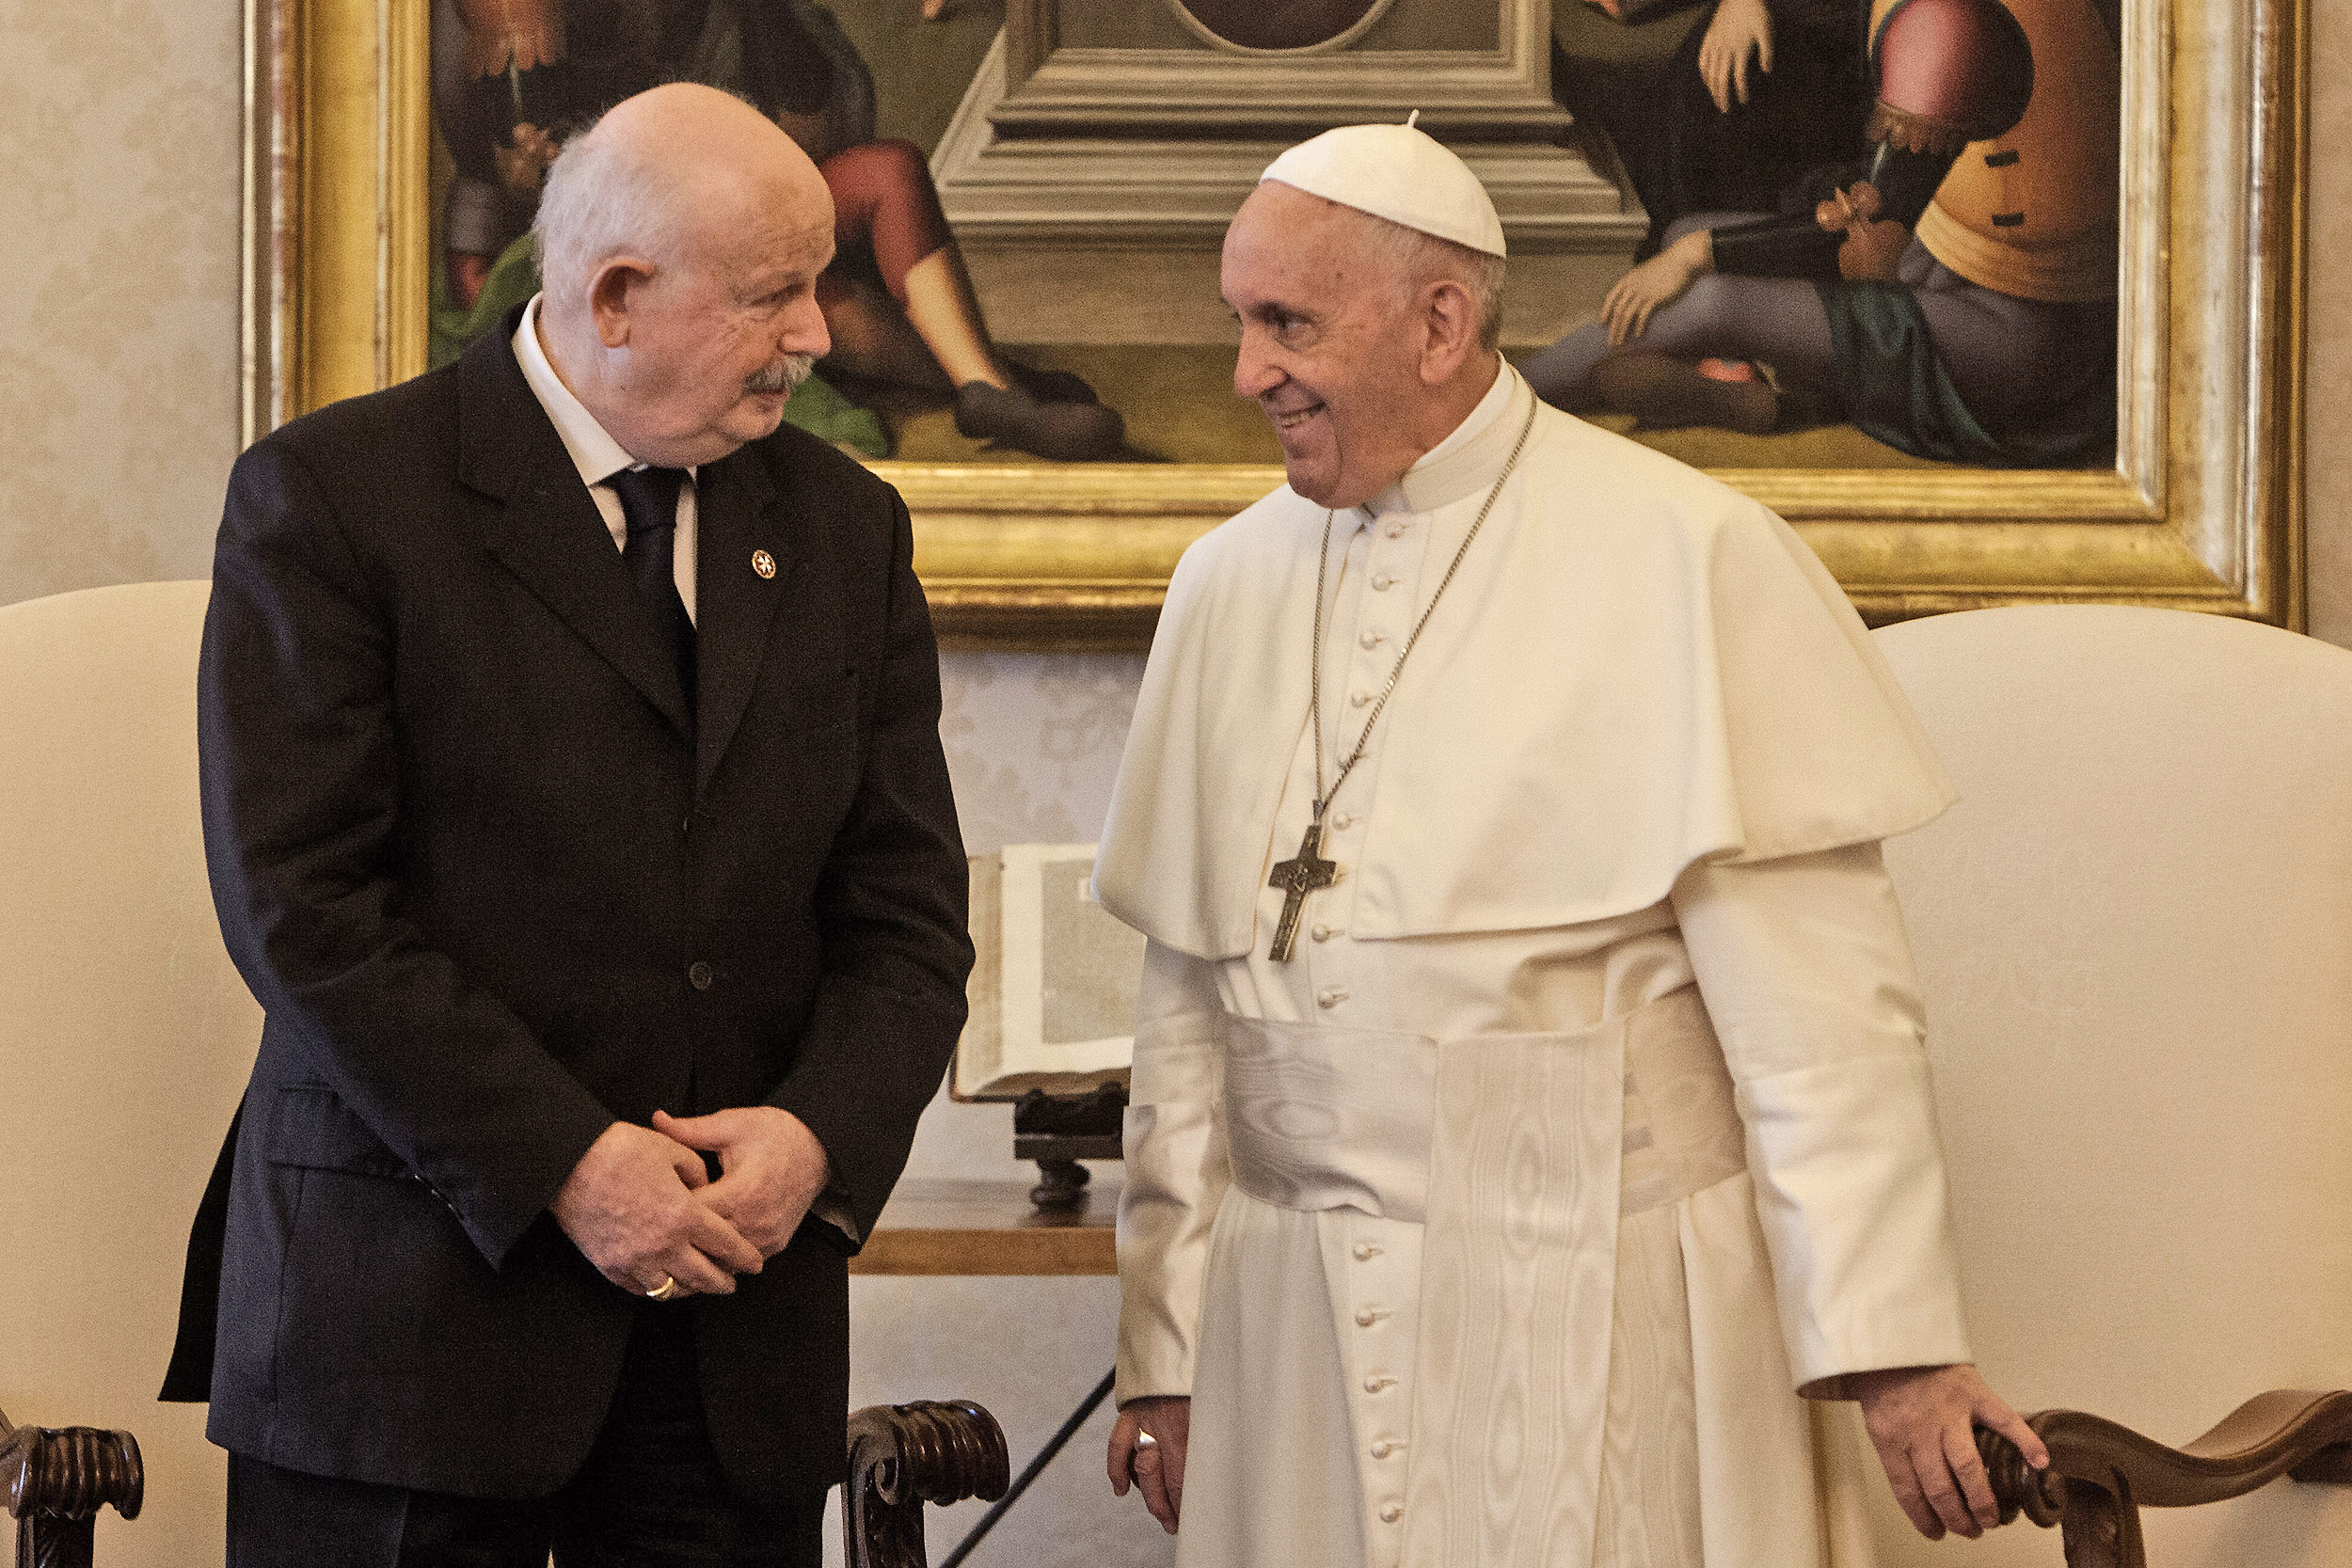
<point x="701" y="975"/>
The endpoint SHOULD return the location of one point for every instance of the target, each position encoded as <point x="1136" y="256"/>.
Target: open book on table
<point x="1054" y="981"/>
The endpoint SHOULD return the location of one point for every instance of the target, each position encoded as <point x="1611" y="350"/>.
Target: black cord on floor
<point x="1044" y="1457"/>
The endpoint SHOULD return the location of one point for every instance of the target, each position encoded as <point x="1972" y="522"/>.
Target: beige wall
<point x="118" y="151"/>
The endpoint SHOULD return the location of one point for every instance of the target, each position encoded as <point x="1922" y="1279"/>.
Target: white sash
<point x="1319" y="1118"/>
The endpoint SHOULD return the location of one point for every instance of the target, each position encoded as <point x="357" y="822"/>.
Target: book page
<point x="1067" y="976"/>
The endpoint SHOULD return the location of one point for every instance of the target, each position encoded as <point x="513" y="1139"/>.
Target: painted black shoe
<point x="1051" y="386"/>
<point x="1012" y="417"/>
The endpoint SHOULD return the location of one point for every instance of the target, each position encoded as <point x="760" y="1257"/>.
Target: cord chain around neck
<point x="1314" y="700"/>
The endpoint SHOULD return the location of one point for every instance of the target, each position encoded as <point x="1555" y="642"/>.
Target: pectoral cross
<point x="1307" y="873"/>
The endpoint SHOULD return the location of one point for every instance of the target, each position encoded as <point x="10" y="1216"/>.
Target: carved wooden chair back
<point x="125" y="1036"/>
<point x="2134" y="939"/>
<point x="902" y="1456"/>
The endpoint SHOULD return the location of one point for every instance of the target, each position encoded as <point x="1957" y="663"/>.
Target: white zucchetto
<point x="1396" y="172"/>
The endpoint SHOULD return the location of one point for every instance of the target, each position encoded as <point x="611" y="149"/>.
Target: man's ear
<point x="1450" y="323"/>
<point x="611" y="292"/>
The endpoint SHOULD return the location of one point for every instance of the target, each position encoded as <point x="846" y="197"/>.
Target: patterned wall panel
<point x="1033" y="741"/>
<point x="118" y="180"/>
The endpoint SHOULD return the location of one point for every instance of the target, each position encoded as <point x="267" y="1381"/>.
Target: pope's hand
<point x="772" y="1169"/>
<point x="1659" y="280"/>
<point x="1148" y="1447"/>
<point x="1922" y="1420"/>
<point x="632" y="1209"/>
<point x="1740" y="28"/>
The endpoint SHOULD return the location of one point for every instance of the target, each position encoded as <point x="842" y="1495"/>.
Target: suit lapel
<point x="735" y="530"/>
<point x="550" y="533"/>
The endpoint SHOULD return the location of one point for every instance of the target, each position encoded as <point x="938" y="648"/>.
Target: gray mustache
<point x="785" y="375"/>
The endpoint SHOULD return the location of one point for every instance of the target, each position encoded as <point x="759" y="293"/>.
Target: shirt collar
<point x="1468" y="458"/>
<point x="593" y="449"/>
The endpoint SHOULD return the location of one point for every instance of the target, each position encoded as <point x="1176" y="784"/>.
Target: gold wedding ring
<point x="665" y="1290"/>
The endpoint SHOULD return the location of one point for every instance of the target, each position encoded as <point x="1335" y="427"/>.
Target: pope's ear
<point x="1451" y="318"/>
<point x="612" y="291"/>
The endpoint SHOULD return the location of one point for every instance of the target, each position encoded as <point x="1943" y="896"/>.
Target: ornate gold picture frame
<point x="2202" y="511"/>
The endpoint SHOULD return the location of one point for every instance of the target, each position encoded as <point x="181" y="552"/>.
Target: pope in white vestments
<point x="1584" y="1129"/>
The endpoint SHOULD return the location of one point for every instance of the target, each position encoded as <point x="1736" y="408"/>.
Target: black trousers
<point x="651" y="1496"/>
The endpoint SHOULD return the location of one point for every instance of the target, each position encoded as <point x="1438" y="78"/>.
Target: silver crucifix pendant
<point x="1307" y="873"/>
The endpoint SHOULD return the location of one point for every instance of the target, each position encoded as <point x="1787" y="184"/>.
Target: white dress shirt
<point x="597" y="454"/>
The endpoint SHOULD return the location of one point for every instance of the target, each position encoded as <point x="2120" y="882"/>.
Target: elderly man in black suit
<point x="574" y="806"/>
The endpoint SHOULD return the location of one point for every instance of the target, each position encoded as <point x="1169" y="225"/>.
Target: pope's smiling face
<point x="1332" y="343"/>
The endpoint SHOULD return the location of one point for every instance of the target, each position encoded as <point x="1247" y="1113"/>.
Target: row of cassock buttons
<point x="1391" y="1509"/>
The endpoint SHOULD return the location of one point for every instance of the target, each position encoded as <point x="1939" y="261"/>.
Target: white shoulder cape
<point x="1635" y="669"/>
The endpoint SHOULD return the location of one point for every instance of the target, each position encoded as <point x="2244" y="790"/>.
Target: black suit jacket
<point x="496" y="887"/>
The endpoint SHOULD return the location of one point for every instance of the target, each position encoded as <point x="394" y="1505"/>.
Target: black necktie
<point x="649" y="502"/>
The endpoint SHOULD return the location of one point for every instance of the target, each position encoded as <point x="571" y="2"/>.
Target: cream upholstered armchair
<point x="125" y="1039"/>
<point x="2134" y="939"/>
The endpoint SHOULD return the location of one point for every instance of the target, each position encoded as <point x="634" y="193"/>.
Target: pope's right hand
<point x="632" y="1209"/>
<point x="1148" y="1447"/>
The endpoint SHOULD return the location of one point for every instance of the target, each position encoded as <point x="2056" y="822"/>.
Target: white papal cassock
<point x="1477" y="1236"/>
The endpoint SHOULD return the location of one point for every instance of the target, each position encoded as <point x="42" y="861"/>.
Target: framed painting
<point x="1082" y="157"/>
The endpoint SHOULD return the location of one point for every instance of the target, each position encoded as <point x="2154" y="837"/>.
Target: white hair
<point x="1423" y="259"/>
<point x="602" y="200"/>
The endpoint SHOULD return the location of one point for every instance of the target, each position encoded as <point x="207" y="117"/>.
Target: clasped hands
<point x="1921" y="1420"/>
<point x="641" y="1206"/>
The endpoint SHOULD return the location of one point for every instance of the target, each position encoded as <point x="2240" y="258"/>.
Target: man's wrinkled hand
<point x="632" y="1209"/>
<point x="772" y="1167"/>
<point x="1923" y="1420"/>
<point x="1148" y="1449"/>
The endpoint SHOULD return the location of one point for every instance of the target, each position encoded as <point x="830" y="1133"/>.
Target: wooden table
<point x="936" y="1226"/>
